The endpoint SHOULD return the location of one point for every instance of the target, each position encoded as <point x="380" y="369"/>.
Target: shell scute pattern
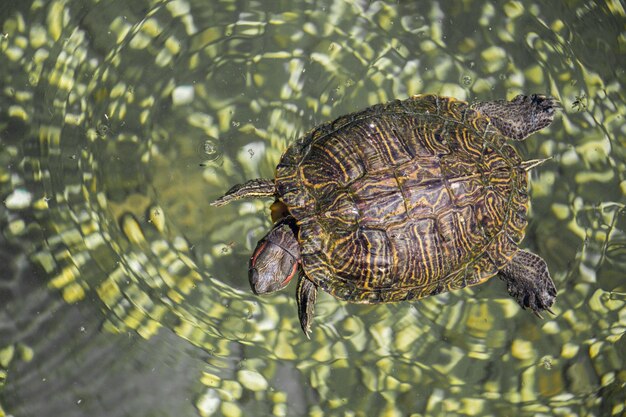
<point x="404" y="200"/>
<point x="379" y="200"/>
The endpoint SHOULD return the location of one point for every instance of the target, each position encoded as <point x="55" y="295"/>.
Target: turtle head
<point x="276" y="259"/>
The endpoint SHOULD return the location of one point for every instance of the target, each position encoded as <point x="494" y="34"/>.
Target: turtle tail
<point x="260" y="187"/>
<point x="532" y="163"/>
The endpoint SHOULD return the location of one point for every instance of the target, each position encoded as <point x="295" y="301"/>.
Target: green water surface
<point x="123" y="293"/>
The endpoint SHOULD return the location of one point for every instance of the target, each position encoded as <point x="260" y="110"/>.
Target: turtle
<point x="404" y="200"/>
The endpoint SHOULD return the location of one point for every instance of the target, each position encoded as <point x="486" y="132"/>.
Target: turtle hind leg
<point x="521" y="116"/>
<point x="528" y="281"/>
<point x="306" y="295"/>
<point x="260" y="187"/>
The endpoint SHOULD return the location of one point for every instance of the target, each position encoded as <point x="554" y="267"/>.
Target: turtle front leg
<point x="306" y="295"/>
<point x="528" y="281"/>
<point x="521" y="116"/>
<point x="260" y="187"/>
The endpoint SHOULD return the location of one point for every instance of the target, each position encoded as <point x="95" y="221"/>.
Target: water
<point x="124" y="293"/>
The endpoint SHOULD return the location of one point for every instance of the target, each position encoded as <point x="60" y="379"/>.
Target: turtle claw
<point x="546" y="103"/>
<point x="529" y="283"/>
<point x="306" y="294"/>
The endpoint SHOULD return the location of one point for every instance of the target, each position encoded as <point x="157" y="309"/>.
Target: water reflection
<point x="120" y="122"/>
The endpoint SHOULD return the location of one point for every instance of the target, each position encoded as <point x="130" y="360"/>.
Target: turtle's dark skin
<point x="401" y="201"/>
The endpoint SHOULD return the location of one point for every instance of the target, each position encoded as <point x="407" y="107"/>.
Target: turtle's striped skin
<point x="404" y="200"/>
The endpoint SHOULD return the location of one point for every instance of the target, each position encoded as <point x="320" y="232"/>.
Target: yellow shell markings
<point x="319" y="146"/>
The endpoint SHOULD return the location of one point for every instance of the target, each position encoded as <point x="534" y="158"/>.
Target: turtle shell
<point x="403" y="200"/>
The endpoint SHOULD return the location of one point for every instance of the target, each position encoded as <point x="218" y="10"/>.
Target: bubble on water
<point x="547" y="363"/>
<point x="228" y="247"/>
<point x="210" y="148"/>
<point x="210" y="151"/>
<point x="466" y="80"/>
<point x="102" y="129"/>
